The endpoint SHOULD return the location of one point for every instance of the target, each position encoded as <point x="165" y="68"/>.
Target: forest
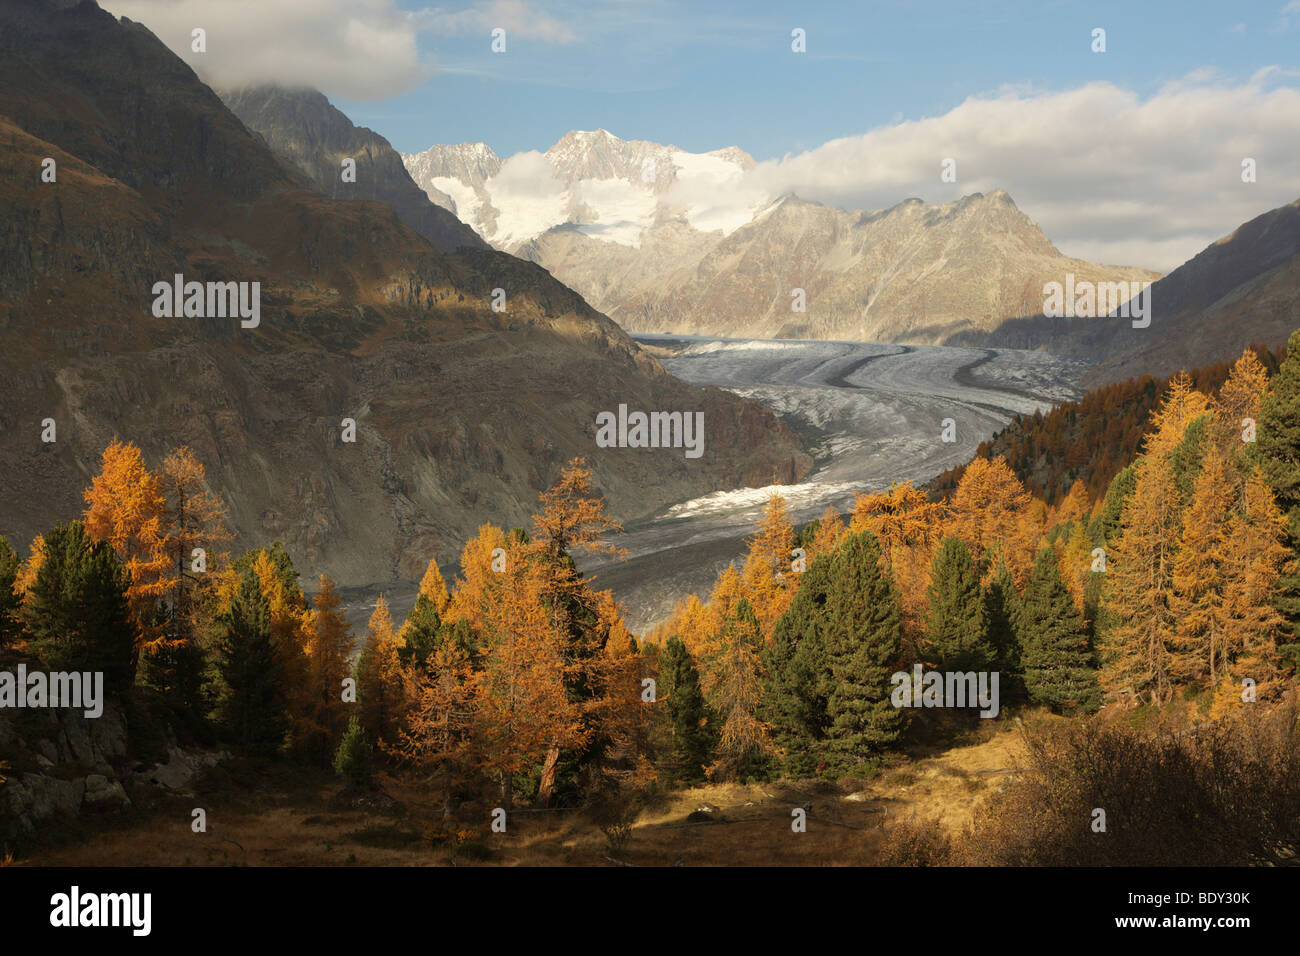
<point x="1172" y="591"/>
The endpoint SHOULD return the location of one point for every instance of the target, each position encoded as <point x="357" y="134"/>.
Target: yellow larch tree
<point x="991" y="509"/>
<point x="329" y="643"/>
<point x="126" y="506"/>
<point x="478" y="586"/>
<point x="1136" y="654"/>
<point x="382" y="682"/>
<point x="769" y="579"/>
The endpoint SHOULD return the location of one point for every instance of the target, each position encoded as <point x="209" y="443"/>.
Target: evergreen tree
<point x="1054" y="642"/>
<point x="957" y="623"/>
<point x="420" y="634"/>
<point x="253" y="709"/>
<point x="1105" y="527"/>
<point x="1002" y="610"/>
<point x="794" y="703"/>
<point x="10" y="599"/>
<point x="77" y="610"/>
<point x="1185" y="462"/>
<point x="354" y="760"/>
<point x="863" y="638"/>
<point x="1277" y="452"/>
<point x="685" y="714"/>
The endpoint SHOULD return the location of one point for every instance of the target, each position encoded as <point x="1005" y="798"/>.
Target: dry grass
<point x="311" y="822"/>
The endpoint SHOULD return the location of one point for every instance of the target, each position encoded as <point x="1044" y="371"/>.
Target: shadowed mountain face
<point x="1243" y="289"/>
<point x="308" y="133"/>
<point x="462" y="413"/>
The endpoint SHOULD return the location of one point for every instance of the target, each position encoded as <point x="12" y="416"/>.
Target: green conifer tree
<point x="354" y="760"/>
<point x="1054" y="642"/>
<point x="1002" y="609"/>
<point x="957" y="631"/>
<point x="77" y="612"/>
<point x="420" y="634"/>
<point x="690" y="737"/>
<point x="1277" y="452"/>
<point x="253" y="708"/>
<point x="10" y="600"/>
<point x="863" y="639"/>
<point x="794" y="701"/>
<point x="1105" y="527"/>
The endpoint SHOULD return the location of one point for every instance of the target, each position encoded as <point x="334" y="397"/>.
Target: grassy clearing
<point x="304" y="818"/>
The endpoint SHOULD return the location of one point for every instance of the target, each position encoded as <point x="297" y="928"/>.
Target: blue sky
<point x="705" y="75"/>
<point x="1132" y="156"/>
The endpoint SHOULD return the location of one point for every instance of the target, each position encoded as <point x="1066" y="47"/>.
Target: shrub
<point x="1220" y="794"/>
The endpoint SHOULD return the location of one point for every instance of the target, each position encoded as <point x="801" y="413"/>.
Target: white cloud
<point x="516" y="17"/>
<point x="528" y="196"/>
<point x="354" y="49"/>
<point x="1108" y="175"/>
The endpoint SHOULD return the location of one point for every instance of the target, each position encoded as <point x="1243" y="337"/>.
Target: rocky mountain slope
<point x="306" y="131"/>
<point x="462" y="413"/>
<point x="637" y="229"/>
<point x="1243" y="289"/>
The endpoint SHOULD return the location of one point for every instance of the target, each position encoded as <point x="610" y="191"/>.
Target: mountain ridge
<point x="663" y="256"/>
<point x="462" y="413"/>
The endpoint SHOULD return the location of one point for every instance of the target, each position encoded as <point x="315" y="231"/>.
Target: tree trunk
<point x="548" y="776"/>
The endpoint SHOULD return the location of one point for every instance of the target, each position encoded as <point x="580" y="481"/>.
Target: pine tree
<point x="420" y="634"/>
<point x="290" y="635"/>
<point x="957" y="624"/>
<point x="253" y="710"/>
<point x="1002" y="610"/>
<point x="434" y="587"/>
<point x="686" y="717"/>
<point x="77" y="610"/>
<point x="10" y="598"/>
<point x="863" y="638"/>
<point x="1054" y="642"/>
<point x="196" y="533"/>
<point x="794" y="701"/>
<point x="1255" y="559"/>
<point x="1238" y="402"/>
<point x="1105" y="527"/>
<point x="1277" y="453"/>
<point x="354" y="760"/>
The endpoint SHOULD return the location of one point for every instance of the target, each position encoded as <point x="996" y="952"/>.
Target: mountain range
<point x="636" y="228"/>
<point x="462" y="412"/>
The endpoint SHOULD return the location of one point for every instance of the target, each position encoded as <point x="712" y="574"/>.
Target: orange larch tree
<point x="126" y="506"/>
<point x="769" y="580"/>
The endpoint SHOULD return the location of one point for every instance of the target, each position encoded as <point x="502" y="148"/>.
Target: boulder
<point x="104" y="795"/>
